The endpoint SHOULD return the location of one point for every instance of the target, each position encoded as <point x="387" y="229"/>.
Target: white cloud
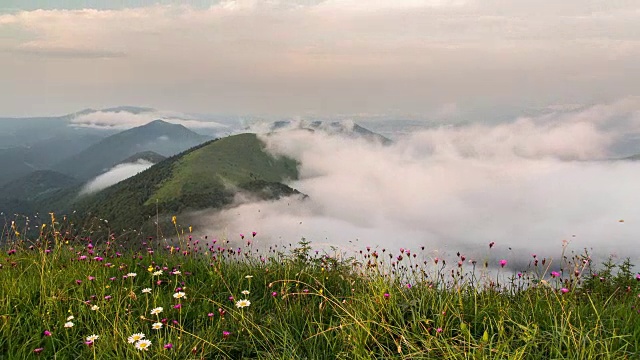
<point x="115" y="175"/>
<point x="125" y="120"/>
<point x="325" y="57"/>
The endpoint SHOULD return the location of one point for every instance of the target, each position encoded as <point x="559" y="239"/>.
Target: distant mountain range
<point x="157" y="136"/>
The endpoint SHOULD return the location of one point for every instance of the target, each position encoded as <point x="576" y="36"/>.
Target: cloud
<point x="527" y="186"/>
<point x="115" y="175"/>
<point x="325" y="57"/>
<point x="125" y="120"/>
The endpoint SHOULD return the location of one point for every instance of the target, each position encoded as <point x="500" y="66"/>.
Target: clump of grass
<point x="75" y="296"/>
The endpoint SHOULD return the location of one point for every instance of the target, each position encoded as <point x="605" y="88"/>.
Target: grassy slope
<point x="231" y="161"/>
<point x="302" y="305"/>
<point x="203" y="177"/>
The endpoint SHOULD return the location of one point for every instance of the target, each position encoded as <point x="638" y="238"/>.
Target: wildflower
<point x="242" y="303"/>
<point x="555" y="274"/>
<point x="177" y="306"/>
<point x="47" y="333"/>
<point x="68" y="324"/>
<point x="638" y="277"/>
<point x="156" y="311"/>
<point x="248" y="276"/>
<point x="143" y="345"/>
<point x="245" y="292"/>
<point x="408" y="286"/>
<point x="91" y="278"/>
<point x="180" y="295"/>
<point x="564" y="290"/>
<point x="146" y="290"/>
<point x="491" y="244"/>
<point x="274" y="294"/>
<point x="168" y="346"/>
<point x="157" y="273"/>
<point x="92" y="338"/>
<point x="78" y="282"/>
<point x="132" y="274"/>
<point x="156" y="326"/>
<point x="439" y="330"/>
<point x="210" y="314"/>
<point x="386" y="295"/>
<point x="107" y="297"/>
<point x="38" y="350"/>
<point x="135" y="337"/>
<point x="503" y="263"/>
<point x="176" y="272"/>
<point x="95" y="307"/>
<point x="225" y="334"/>
<point x="70" y="317"/>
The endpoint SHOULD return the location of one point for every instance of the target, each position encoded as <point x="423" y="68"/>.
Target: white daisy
<point x="143" y="345"/>
<point x="156" y="311"/>
<point x="246" y="292"/>
<point x="146" y="290"/>
<point x="92" y="338"/>
<point x="95" y="307"/>
<point x="156" y="326"/>
<point x="68" y="324"/>
<point x="242" y="303"/>
<point x="132" y="275"/>
<point x="135" y="337"/>
<point x="180" y="295"/>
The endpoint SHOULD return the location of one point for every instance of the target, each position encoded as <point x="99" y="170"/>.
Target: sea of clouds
<point x="527" y="185"/>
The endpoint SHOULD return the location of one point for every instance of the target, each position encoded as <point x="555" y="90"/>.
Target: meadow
<point x="77" y="293"/>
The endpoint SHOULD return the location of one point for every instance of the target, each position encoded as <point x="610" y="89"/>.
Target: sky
<point x="434" y="59"/>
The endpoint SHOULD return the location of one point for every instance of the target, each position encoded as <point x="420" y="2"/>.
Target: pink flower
<point x="439" y="330"/>
<point x="503" y="263"/>
<point x="38" y="350"/>
<point x="225" y="334"/>
<point x="47" y="333"/>
<point x="274" y="294"/>
<point x="386" y="295"/>
<point x="177" y="306"/>
<point x="168" y="346"/>
<point x="555" y="274"/>
<point x="564" y="290"/>
<point x="253" y="233"/>
<point x="491" y="244"/>
<point x="210" y="314"/>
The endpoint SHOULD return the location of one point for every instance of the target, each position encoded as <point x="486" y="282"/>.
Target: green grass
<point x="304" y="305"/>
<point x="230" y="161"/>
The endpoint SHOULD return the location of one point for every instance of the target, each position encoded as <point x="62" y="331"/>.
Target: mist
<point x="115" y="175"/>
<point x="527" y="186"/>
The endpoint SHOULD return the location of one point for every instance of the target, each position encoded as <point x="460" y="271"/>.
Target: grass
<point x="304" y="304"/>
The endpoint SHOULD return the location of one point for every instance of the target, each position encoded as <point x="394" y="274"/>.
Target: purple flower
<point x="78" y="282"/>
<point x="274" y="294"/>
<point x="564" y="290"/>
<point x="555" y="274"/>
<point x="386" y="295"/>
<point x="408" y="286"/>
<point x="177" y="306"/>
<point x="503" y="263"/>
<point x="168" y="346"/>
<point x="47" y="333"/>
<point x="638" y="277"/>
<point x="225" y="334"/>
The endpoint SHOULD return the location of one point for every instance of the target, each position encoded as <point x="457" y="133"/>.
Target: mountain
<point x="150" y="156"/>
<point x="206" y="176"/>
<point x="344" y="128"/>
<point x="158" y="136"/>
<point x="37" y="185"/>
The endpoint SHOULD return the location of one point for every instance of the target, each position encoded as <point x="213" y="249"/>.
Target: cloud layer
<point x="122" y="120"/>
<point x="115" y="175"/>
<point x="323" y="57"/>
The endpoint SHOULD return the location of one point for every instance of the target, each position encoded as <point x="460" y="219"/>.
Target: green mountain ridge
<point x="158" y="136"/>
<point x="206" y="176"/>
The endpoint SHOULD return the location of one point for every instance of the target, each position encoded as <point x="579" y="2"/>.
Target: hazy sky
<point x="433" y="58"/>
